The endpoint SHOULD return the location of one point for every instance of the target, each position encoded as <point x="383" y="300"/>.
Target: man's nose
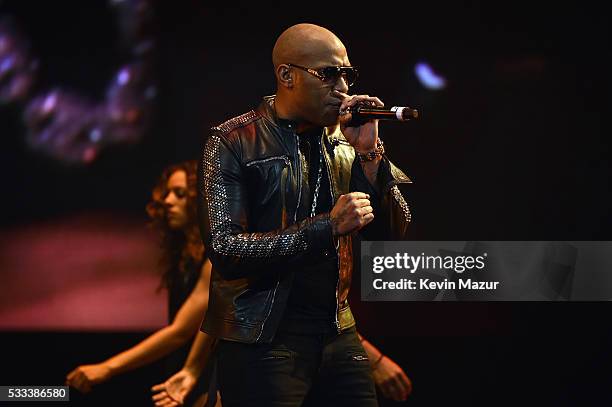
<point x="342" y="86"/>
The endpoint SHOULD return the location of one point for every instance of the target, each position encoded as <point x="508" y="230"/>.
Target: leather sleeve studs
<point x="397" y="195"/>
<point x="244" y="245"/>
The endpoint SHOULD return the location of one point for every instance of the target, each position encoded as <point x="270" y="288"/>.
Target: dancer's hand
<point x="173" y="391"/>
<point x="391" y="379"/>
<point x="85" y="376"/>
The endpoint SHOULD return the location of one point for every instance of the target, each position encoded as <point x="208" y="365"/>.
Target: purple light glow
<point x="428" y="78"/>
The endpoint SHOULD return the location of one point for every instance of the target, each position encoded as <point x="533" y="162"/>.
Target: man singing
<point x="283" y="190"/>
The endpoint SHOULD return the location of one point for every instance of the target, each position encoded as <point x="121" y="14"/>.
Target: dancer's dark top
<point x="180" y="286"/>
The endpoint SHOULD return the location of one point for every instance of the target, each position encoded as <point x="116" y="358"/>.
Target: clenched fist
<point x="350" y="213"/>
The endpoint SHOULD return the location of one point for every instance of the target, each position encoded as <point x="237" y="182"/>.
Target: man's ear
<point x="285" y="75"/>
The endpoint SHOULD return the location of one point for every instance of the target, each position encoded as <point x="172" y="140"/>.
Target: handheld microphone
<point x="363" y="113"/>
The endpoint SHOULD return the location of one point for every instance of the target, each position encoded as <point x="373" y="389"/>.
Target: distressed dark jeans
<point x="296" y="370"/>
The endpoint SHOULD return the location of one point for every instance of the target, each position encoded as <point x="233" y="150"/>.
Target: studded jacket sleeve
<point x="233" y="249"/>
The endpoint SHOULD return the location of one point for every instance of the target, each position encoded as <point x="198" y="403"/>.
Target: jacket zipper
<point x="265" y="160"/>
<point x="298" y="169"/>
<point x="331" y="191"/>
<point x="269" y="310"/>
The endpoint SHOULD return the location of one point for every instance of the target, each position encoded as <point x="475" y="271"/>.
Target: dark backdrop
<point x="515" y="148"/>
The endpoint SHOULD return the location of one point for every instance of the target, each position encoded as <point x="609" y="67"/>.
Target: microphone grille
<point x="409" y="113"/>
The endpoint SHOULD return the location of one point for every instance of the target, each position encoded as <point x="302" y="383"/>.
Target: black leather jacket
<point x="250" y="186"/>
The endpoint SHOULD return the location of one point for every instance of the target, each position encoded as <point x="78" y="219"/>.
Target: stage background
<point x="514" y="148"/>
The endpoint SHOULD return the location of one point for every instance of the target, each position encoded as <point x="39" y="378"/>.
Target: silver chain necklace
<point x="316" y="192"/>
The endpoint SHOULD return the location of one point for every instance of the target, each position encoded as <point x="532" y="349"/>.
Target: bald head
<point x="301" y="95"/>
<point x="306" y="44"/>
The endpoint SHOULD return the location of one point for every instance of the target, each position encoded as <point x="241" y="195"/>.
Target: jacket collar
<point x="267" y="111"/>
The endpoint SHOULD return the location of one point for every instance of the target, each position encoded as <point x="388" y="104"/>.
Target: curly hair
<point x="180" y="248"/>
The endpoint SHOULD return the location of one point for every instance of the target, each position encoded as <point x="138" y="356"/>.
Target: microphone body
<point x="361" y="114"/>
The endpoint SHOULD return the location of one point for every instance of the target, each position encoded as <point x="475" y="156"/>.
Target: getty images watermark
<point x="412" y="264"/>
<point x="486" y="271"/>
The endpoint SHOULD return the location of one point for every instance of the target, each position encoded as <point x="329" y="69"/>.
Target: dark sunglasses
<point x="331" y="74"/>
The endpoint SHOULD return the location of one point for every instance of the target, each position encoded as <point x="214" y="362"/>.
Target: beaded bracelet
<point x="372" y="155"/>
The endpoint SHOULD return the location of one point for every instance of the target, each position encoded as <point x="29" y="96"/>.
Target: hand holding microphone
<point x="367" y="108"/>
<point x="362" y="137"/>
<point x="359" y="115"/>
